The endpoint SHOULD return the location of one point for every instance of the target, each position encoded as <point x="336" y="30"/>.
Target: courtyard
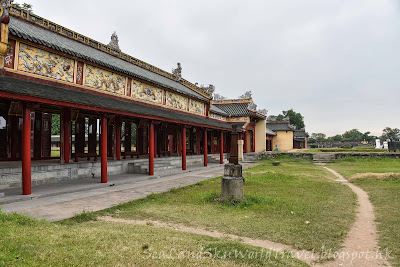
<point x="298" y="208"/>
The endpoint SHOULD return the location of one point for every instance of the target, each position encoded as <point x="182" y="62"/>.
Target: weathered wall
<point x="283" y="139"/>
<point x="261" y="132"/>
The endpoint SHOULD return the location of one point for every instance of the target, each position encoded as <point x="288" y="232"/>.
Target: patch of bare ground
<point x="360" y="248"/>
<point x="303" y="255"/>
<point x="375" y="175"/>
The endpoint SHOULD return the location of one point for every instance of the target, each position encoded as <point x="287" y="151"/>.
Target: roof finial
<point x="177" y="72"/>
<point x="4" y="11"/>
<point x="114" y="42"/>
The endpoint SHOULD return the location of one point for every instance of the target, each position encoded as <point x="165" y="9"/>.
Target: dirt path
<point x="361" y="245"/>
<point x="303" y="255"/>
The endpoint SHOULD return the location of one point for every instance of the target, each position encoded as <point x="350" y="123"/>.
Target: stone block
<point x="233" y="170"/>
<point x="232" y="187"/>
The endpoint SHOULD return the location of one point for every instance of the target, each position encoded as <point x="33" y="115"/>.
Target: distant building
<point x="284" y="136"/>
<point x="300" y="139"/>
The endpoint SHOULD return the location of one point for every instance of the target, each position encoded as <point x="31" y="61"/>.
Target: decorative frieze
<point x="104" y="80"/>
<point x="44" y="63"/>
<point x="218" y="117"/>
<point x="10" y="54"/>
<point x="176" y="101"/>
<point x="196" y="107"/>
<point x="239" y="119"/>
<point x="143" y="91"/>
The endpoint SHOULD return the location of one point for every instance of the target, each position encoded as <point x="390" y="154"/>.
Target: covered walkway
<point x="54" y="203"/>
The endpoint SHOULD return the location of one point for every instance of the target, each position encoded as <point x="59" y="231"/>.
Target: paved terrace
<point x="58" y="201"/>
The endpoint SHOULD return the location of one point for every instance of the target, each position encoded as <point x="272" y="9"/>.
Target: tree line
<point x="392" y="134"/>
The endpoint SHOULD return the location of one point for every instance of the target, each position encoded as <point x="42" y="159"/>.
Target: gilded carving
<point x="196" y="107"/>
<point x="104" y="80"/>
<point x="146" y="92"/>
<point x="176" y="101"/>
<point x="242" y="119"/>
<point x="218" y="117"/>
<point x="37" y="61"/>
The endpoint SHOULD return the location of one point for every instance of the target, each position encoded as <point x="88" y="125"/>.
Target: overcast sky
<point x="337" y="62"/>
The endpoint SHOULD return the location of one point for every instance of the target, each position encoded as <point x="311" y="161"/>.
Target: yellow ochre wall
<point x="284" y="140"/>
<point x="261" y="132"/>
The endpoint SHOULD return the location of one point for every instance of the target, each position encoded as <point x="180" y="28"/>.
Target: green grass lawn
<point x="27" y="242"/>
<point x="384" y="194"/>
<point x="279" y="201"/>
<point x="350" y="166"/>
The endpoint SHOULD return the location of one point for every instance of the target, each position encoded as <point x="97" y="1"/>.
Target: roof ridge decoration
<point x="114" y="42"/>
<point x="5" y="10"/>
<point x="18" y="12"/>
<point x="231" y="101"/>
<point x="177" y="72"/>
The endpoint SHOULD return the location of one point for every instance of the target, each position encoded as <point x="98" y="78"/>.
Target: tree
<point x="392" y="134"/>
<point x="318" y="136"/>
<point x="353" y="135"/>
<point x="24" y="6"/>
<point x="219" y="97"/>
<point x="295" y="118"/>
<point x="337" y="137"/>
<point x="246" y="95"/>
<point x="55" y="124"/>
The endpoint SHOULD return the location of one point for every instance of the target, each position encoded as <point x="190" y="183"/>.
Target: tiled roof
<point x="28" y="88"/>
<point x="238" y="110"/>
<point x="270" y="132"/>
<point x="53" y="40"/>
<point x="216" y="110"/>
<point x="300" y="133"/>
<point x="276" y="126"/>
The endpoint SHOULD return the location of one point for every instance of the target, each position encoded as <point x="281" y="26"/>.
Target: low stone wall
<point x="11" y="177"/>
<point x="270" y="155"/>
<point x="367" y="155"/>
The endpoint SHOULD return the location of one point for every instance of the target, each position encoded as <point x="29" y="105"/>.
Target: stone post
<point x="232" y="185"/>
<point x="240" y="150"/>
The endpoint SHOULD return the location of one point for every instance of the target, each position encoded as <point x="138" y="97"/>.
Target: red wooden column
<point x="254" y="140"/>
<point x="183" y="148"/>
<point x="26" y="150"/>
<point x="67" y="134"/>
<point x="245" y="142"/>
<point x="103" y="149"/>
<point x="221" y="149"/>
<point x="205" y="147"/>
<point x="151" y="148"/>
<point x="198" y="141"/>
<point x="118" y="137"/>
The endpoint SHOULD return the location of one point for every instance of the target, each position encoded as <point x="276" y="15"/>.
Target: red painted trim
<point x="151" y="149"/>
<point x="205" y="147"/>
<point x="26" y="150"/>
<point x="103" y="149"/>
<point x="254" y="140"/>
<point x="183" y="148"/>
<point x="221" y="148"/>
<point x="79" y="106"/>
<point x="67" y="133"/>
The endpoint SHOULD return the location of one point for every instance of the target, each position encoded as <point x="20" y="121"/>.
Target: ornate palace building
<point x="114" y="109"/>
